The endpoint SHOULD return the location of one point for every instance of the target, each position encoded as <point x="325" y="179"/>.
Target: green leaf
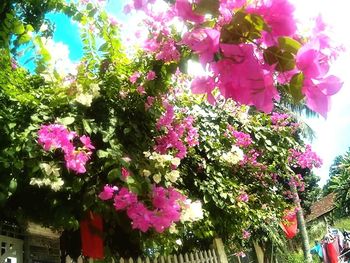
<point x="295" y="87"/>
<point x="24" y="39"/>
<point x="270" y="55"/>
<point x="102" y="154"/>
<point x="284" y="60"/>
<point x="104" y="47"/>
<point x="87" y="127"/>
<point x="13" y="185"/>
<point x="66" y="120"/>
<point x="127" y="130"/>
<point x="289" y="44"/>
<point x="113" y="175"/>
<point x="208" y="7"/>
<point x="18" y="28"/>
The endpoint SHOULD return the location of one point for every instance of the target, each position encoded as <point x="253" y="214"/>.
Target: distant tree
<point x="339" y="182"/>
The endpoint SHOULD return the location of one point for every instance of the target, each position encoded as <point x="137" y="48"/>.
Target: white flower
<point x="172" y="229"/>
<point x="234" y="156"/>
<point x="157" y="178"/>
<point x="176" y="161"/>
<point x="173" y="176"/>
<point x="84" y="99"/>
<point x="94" y="90"/>
<point x="146" y="173"/>
<point x="192" y="212"/>
<point x="178" y="241"/>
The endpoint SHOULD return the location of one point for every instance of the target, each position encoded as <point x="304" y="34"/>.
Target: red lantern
<point x="289" y="224"/>
<point x="91" y="231"/>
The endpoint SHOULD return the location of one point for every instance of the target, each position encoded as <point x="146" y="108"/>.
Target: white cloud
<point x="60" y="60"/>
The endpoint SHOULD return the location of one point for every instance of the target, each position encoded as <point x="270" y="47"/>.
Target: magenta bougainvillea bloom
<point x="240" y="68"/>
<point x="56" y="136"/>
<point x="244" y="197"/>
<point x="204" y="85"/>
<point x="179" y="134"/>
<point x="125" y="173"/>
<point x="134" y="77"/>
<point x="108" y="192"/>
<point x="204" y="41"/>
<point x="304" y="159"/>
<point x="246" y="234"/>
<point x="183" y="9"/>
<point x="124" y="198"/>
<point x="165" y="210"/>
<point x="151" y="75"/>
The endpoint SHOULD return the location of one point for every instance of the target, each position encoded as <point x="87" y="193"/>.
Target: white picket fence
<point x="206" y="256"/>
<point x="215" y="255"/>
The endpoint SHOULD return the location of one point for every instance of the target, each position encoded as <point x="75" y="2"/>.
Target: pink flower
<point x="176" y="134"/>
<point x="113" y="21"/>
<point x="243" y="78"/>
<point x="125" y="173"/>
<point x="55" y="136"/>
<point x="127" y="9"/>
<point x="183" y="9"/>
<point x="312" y="62"/>
<point x="243" y="198"/>
<point x="108" y="192"/>
<point x="134" y="77"/>
<point x="204" y="85"/>
<point x="87" y="142"/>
<point x="317" y="87"/>
<point x="278" y="14"/>
<point x="141" y="217"/>
<point x="76" y="161"/>
<point x="167" y="118"/>
<point x="151" y="75"/>
<point x="318" y="93"/>
<point x="141" y="90"/>
<point x="306" y="159"/>
<point x="204" y="41"/>
<point x="279" y="119"/>
<point x="242" y="139"/>
<point x="149" y="102"/>
<point x="245" y="234"/>
<point x="124" y="198"/>
<point x="168" y="52"/>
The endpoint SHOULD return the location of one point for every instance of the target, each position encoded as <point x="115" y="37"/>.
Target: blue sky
<point x="332" y="137"/>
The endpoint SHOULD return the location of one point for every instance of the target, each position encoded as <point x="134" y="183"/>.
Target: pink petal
<point x="330" y="85"/>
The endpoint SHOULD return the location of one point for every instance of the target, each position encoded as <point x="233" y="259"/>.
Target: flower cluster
<point x="297" y="182"/>
<point x="180" y="134"/>
<point x="56" y="136"/>
<point x="234" y="156"/>
<point x="241" y="139"/>
<point x="252" y="47"/>
<point x="251" y="158"/>
<point x="243" y="197"/>
<point x="162" y="164"/>
<point x="246" y="234"/>
<point x="280" y="119"/>
<point x="168" y="207"/>
<point x="306" y="159"/>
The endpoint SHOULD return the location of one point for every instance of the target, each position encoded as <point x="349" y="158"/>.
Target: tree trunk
<point x="302" y="227"/>
<point x="259" y="252"/>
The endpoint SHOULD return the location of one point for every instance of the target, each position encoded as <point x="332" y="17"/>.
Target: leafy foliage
<point x="235" y="160"/>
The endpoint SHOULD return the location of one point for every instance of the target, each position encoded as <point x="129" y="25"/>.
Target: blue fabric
<point x="317" y="249"/>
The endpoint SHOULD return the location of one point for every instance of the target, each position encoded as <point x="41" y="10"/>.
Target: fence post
<point x="219" y="247"/>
